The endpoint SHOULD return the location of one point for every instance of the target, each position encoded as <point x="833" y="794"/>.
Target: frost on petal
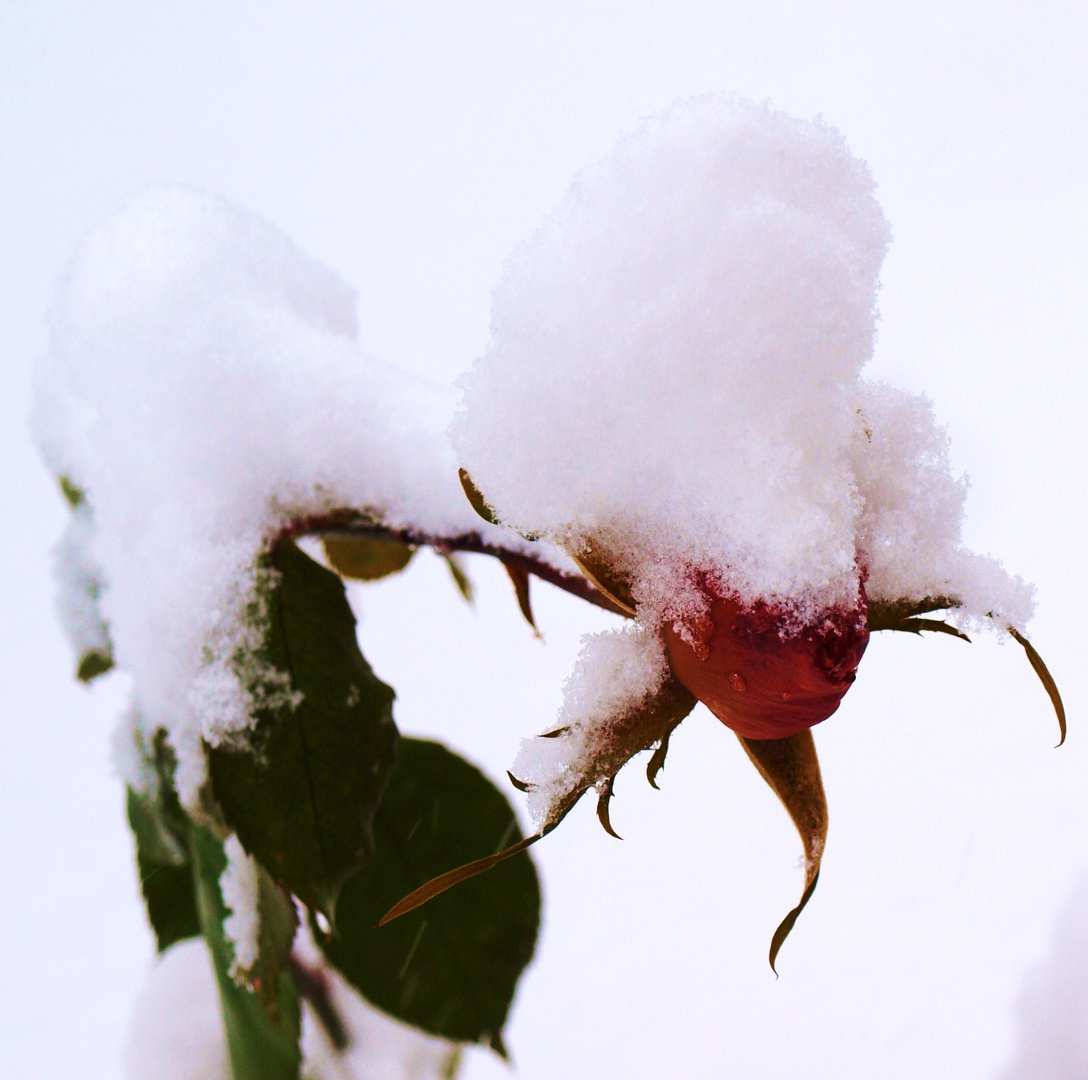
<point x="620" y="699"/>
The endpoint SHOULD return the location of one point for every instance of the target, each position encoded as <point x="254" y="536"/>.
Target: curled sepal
<point x="657" y="759"/>
<point x="792" y="770"/>
<point x="605" y="791"/>
<point x="1045" y="678"/>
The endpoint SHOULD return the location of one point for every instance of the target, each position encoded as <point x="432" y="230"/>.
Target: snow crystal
<point x="616" y="672"/>
<point x="204" y="387"/>
<point x="240" y="885"/>
<point x="673" y="379"/>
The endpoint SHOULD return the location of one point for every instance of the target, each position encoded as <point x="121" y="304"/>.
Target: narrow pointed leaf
<point x="476" y="498"/>
<point x="792" y="770"/>
<point x="607" y="581"/>
<point x="1045" y="678"/>
<point x="452" y="967"/>
<point x="460" y="578"/>
<point x="657" y="759"/>
<point x="303" y="795"/>
<point x="520" y="577"/>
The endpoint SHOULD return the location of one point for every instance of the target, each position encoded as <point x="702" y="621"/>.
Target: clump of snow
<point x="674" y="377"/>
<point x="617" y="672"/>
<point x="911" y="513"/>
<point x="1052" y="1040"/>
<point x="205" y="386"/>
<point x="240" y="886"/>
<point x="177" y="1030"/>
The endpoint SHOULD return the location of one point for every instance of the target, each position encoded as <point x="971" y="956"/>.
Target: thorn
<point x="519" y="784"/>
<point x="554" y="734"/>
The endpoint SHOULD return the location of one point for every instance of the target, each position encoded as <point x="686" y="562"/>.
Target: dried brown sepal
<point x="936" y="626"/>
<point x="1045" y="678"/>
<point x="476" y="498"/>
<point x="791" y="768"/>
<point x="604" y="797"/>
<point x="519" y="784"/>
<point x="437" y="886"/>
<point x="364" y="559"/>
<point x="638" y="731"/>
<point x="891" y="614"/>
<point x="519" y="578"/>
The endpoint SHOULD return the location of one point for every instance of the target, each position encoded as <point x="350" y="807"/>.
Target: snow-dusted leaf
<point x="303" y="795"/>
<point x="452" y="967"/>
<point x="365" y="559"/>
<point x="262" y="1024"/>
<point x="161" y="830"/>
<point x="792" y="770"/>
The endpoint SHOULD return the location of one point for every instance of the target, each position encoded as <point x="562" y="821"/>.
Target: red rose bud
<point x="763" y="678"/>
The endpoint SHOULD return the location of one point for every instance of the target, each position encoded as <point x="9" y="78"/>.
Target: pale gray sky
<point x="410" y="147"/>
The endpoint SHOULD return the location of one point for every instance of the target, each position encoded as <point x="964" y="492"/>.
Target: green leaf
<point x="460" y="578"/>
<point x="73" y="494"/>
<point x="92" y="663"/>
<point x="262" y="1027"/>
<point x="451" y="967"/>
<point x="166" y="875"/>
<point x="364" y="559"/>
<point x="302" y="797"/>
<point x="161" y="830"/>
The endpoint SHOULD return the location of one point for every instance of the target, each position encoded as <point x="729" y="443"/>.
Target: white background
<point x="410" y="146"/>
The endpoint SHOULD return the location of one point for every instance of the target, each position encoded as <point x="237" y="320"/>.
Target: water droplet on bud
<point x="736" y="680"/>
<point x="785" y="695"/>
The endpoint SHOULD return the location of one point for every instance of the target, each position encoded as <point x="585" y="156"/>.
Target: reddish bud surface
<point x="760" y="677"/>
